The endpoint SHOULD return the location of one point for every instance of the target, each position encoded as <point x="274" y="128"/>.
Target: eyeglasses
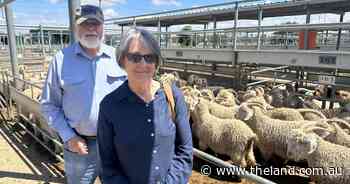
<point x="136" y="58"/>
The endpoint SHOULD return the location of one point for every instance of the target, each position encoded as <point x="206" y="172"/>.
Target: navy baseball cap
<point x="86" y="12"/>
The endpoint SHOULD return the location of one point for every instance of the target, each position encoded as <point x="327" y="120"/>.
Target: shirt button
<point x="147" y="105"/>
<point x="152" y="134"/>
<point x="154" y="151"/>
<point x="158" y="182"/>
<point x="149" y="120"/>
<point x="157" y="168"/>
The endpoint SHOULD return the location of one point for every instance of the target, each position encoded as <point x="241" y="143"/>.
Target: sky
<point x="55" y="12"/>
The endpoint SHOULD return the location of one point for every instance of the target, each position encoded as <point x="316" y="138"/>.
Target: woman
<point x="138" y="141"/>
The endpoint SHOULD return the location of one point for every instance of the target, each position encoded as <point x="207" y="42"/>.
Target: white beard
<point x="90" y="42"/>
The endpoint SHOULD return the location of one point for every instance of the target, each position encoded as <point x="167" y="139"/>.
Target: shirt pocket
<point x="72" y="83"/>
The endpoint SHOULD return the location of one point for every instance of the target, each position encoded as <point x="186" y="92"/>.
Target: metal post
<point x="122" y="30"/>
<point x="214" y="35"/>
<point x="306" y="33"/>
<point x="205" y="35"/>
<point x="42" y="40"/>
<point x="23" y="43"/>
<point x="339" y="31"/>
<point x="73" y="6"/>
<point x="159" y="33"/>
<point x="167" y="37"/>
<point x="11" y="41"/>
<point x="61" y="38"/>
<point x="260" y="17"/>
<point x="1" y="41"/>
<point x="111" y="40"/>
<point x="49" y="38"/>
<point x="234" y="40"/>
<point x="195" y="40"/>
<point x="31" y="41"/>
<point x="134" y="22"/>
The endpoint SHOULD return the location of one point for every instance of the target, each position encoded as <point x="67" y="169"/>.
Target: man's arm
<point x="181" y="165"/>
<point x="111" y="172"/>
<point x="51" y="103"/>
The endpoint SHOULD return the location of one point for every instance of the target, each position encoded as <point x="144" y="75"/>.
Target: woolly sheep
<point x="285" y="114"/>
<point x="339" y="135"/>
<point x="226" y="97"/>
<point x="225" y="136"/>
<point x="273" y="134"/>
<point x="36" y="93"/>
<point x="306" y="145"/>
<point x="311" y="114"/>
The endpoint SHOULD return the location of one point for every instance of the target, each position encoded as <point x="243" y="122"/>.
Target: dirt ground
<point x="22" y="162"/>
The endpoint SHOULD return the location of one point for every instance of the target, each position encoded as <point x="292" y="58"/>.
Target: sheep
<point x="36" y="93"/>
<point x="304" y="144"/>
<point x="173" y="78"/>
<point x="272" y="133"/>
<point x="337" y="134"/>
<point x="226" y="97"/>
<point x="207" y="94"/>
<point x="195" y="80"/>
<point x="311" y="114"/>
<point x="225" y="136"/>
<point x="285" y="114"/>
<point x="222" y="111"/>
<point x="218" y="110"/>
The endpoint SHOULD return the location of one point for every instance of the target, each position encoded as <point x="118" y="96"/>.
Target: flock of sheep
<point x="278" y="121"/>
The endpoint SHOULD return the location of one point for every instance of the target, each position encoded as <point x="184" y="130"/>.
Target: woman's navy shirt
<point x="139" y="143"/>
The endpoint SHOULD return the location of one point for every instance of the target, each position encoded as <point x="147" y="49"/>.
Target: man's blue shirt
<point x="140" y="143"/>
<point x="74" y="87"/>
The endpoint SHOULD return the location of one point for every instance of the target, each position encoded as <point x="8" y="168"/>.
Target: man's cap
<point x="86" y="12"/>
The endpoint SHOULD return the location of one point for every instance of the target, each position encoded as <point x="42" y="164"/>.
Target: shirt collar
<point x="104" y="51"/>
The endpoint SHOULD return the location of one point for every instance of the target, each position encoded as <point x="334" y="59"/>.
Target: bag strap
<point x="170" y="99"/>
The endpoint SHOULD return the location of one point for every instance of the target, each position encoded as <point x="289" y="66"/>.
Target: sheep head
<point x="191" y="97"/>
<point x="207" y="94"/>
<point x="248" y="94"/>
<point x="246" y="110"/>
<point x="301" y="144"/>
<point x="260" y="91"/>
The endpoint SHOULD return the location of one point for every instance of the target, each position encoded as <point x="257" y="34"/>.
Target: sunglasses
<point x="137" y="58"/>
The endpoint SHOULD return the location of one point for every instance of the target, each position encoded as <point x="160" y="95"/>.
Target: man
<point x="78" y="79"/>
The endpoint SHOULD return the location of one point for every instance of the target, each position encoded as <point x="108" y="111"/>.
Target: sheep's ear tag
<point x="249" y="114"/>
<point x="312" y="144"/>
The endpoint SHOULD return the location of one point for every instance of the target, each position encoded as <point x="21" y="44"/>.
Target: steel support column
<point x="214" y="34"/>
<point x="306" y="33"/>
<point x="234" y="40"/>
<point x="339" y="31"/>
<point x="159" y="33"/>
<point x="42" y="40"/>
<point x="61" y="39"/>
<point x="73" y="6"/>
<point x="11" y="41"/>
<point x="167" y="37"/>
<point x="260" y="17"/>
<point x="205" y="35"/>
<point x="49" y="39"/>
